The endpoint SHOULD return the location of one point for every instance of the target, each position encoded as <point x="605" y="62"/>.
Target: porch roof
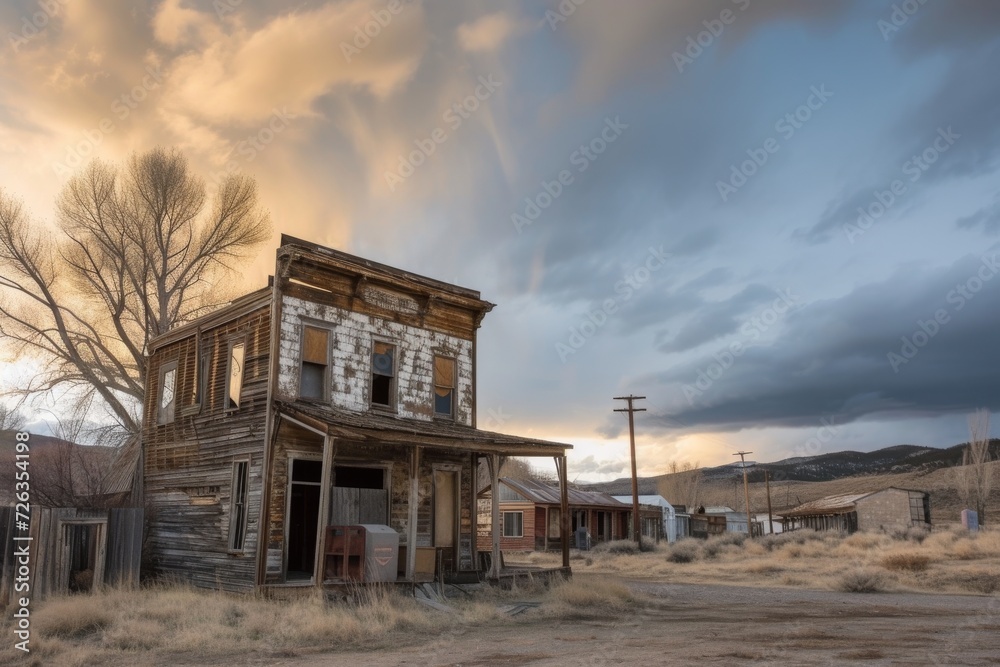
<point x="381" y="427"/>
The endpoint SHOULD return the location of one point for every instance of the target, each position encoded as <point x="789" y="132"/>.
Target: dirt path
<point x="696" y="624"/>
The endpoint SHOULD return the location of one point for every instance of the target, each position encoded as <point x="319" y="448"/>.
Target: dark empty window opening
<point x="238" y="511"/>
<point x="444" y="386"/>
<point x="383" y="374"/>
<point x="305" y="470"/>
<point x="350" y="477"/>
<point x="315" y="358"/>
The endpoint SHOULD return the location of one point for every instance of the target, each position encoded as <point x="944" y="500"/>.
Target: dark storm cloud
<point x="988" y="218"/>
<point x="962" y="108"/>
<point x="718" y="319"/>
<point x="915" y="344"/>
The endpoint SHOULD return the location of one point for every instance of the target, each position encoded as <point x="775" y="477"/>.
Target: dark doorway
<point x="81" y="540"/>
<point x="303" y="517"/>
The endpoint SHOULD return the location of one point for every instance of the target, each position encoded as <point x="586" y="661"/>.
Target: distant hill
<point x="820" y="468"/>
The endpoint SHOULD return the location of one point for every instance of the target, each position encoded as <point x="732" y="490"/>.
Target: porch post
<point x="563" y="508"/>
<point x="412" y="507"/>
<point x="319" y="567"/>
<point x="494" y="463"/>
<point x="474" y="508"/>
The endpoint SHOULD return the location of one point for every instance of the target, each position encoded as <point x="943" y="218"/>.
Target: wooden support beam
<point x="494" y="463"/>
<point x="413" y="506"/>
<point x="563" y="508"/>
<point x="474" y="509"/>
<point x="329" y="451"/>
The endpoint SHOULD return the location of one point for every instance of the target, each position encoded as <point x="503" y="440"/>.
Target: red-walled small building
<point x="529" y="516"/>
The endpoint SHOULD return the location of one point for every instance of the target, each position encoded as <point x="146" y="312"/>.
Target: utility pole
<point x="746" y="490"/>
<point x="636" y="526"/>
<point x="770" y="517"/>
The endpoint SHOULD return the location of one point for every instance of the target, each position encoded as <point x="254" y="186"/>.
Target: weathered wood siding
<point x="188" y="464"/>
<point x="117" y="535"/>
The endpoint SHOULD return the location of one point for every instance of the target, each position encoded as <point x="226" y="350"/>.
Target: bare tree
<point x="67" y="474"/>
<point x="682" y="485"/>
<point x="11" y="419"/>
<point x="975" y="476"/>
<point x="139" y="248"/>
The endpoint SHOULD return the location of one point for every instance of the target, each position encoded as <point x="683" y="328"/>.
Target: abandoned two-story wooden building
<point x="344" y="393"/>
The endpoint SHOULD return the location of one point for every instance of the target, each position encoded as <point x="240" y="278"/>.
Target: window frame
<point x="230" y="404"/>
<point x="326" y="388"/>
<point x="392" y="406"/>
<point x="162" y="417"/>
<point x="520" y="523"/>
<point x="454" y="387"/>
<point x="238" y="527"/>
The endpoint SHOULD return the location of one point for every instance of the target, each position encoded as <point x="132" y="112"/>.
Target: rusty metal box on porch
<point x="381" y="552"/>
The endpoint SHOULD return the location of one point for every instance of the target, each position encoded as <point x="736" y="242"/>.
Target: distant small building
<point x="885" y="510"/>
<point x="669" y="527"/>
<point x="530" y="516"/>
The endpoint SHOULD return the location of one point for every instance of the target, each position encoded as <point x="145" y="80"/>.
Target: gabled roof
<point x="543" y="494"/>
<point x="837" y="504"/>
<point x="380" y="427"/>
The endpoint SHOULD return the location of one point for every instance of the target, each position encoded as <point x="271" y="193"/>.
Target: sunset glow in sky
<point x="779" y="221"/>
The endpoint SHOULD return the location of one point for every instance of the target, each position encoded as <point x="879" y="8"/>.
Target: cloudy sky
<point x="779" y="221"/>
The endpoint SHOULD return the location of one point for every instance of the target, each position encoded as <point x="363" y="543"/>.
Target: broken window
<point x="315" y="358"/>
<point x="168" y="393"/>
<point x="444" y="386"/>
<point x="383" y="374"/>
<point x="238" y="509"/>
<point x="513" y="524"/>
<point x="235" y="385"/>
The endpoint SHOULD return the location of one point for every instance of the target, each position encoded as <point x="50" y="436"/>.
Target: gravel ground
<point x="686" y="624"/>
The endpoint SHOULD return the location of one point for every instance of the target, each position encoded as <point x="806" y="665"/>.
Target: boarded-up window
<point x="238" y="508"/>
<point x="235" y="385"/>
<point x="383" y="374"/>
<point x="315" y="358"/>
<point x="513" y="524"/>
<point x="444" y="386"/>
<point x="445" y="507"/>
<point x="168" y="393"/>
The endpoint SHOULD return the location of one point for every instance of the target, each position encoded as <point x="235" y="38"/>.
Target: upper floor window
<point x="315" y="359"/>
<point x="234" y="388"/>
<point x="167" y="399"/>
<point x="383" y="374"/>
<point x="444" y="386"/>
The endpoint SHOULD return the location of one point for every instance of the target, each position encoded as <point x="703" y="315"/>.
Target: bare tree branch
<point x="140" y="249"/>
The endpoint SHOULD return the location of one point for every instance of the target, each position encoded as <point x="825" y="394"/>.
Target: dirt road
<point x="698" y="625"/>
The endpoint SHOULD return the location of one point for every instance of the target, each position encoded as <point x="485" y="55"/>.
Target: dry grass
<point x="911" y="562"/>
<point x="862" y="581"/>
<point x="944" y="561"/>
<point x="117" y="626"/>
